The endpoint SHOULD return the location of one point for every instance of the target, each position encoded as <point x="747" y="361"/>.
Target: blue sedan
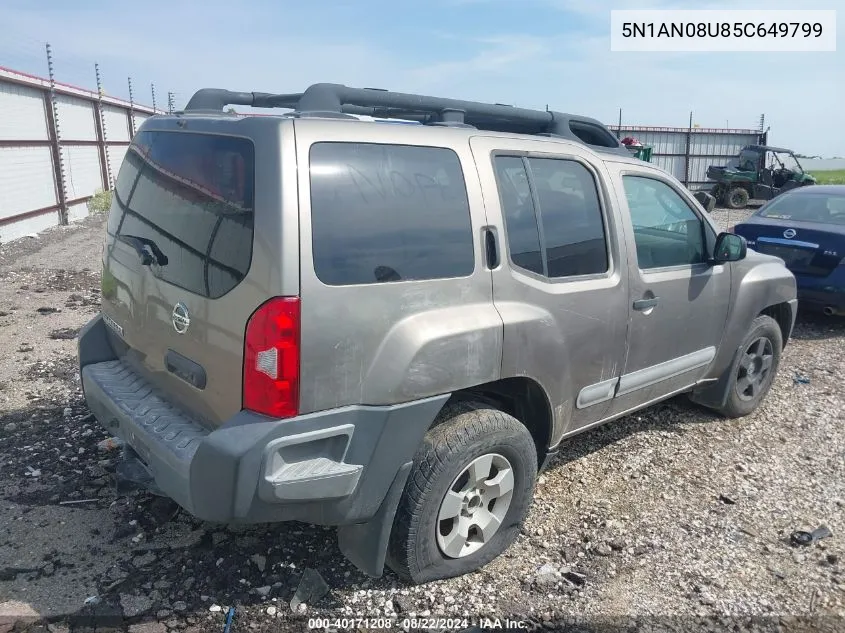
<point x="806" y="228"/>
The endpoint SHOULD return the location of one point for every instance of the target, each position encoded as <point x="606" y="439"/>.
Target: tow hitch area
<point x="132" y="474"/>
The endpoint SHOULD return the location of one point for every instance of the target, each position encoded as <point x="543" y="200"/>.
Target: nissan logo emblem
<point x="789" y="233"/>
<point x="180" y="318"/>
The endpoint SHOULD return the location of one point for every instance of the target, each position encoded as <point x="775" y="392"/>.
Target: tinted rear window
<point x="382" y="213"/>
<point x="807" y="207"/>
<point x="190" y="197"/>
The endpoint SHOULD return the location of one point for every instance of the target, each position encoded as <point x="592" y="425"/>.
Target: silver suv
<point x="385" y="312"/>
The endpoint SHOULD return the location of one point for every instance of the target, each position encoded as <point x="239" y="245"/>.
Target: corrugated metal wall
<point x="687" y="152"/>
<point x="23" y="111"/>
<point x="36" y="189"/>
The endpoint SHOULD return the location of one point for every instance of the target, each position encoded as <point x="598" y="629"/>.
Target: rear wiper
<point x="146" y="249"/>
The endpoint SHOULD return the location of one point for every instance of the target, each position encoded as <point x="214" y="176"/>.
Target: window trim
<point x="387" y="143"/>
<point x="601" y="194"/>
<point x="702" y="221"/>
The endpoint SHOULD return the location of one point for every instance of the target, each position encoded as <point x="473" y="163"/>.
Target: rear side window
<point x="188" y="200"/>
<point x="553" y="216"/>
<point x="382" y="213"/>
<point x="520" y="218"/>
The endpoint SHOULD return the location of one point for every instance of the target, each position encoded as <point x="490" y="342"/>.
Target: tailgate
<point x="178" y="247"/>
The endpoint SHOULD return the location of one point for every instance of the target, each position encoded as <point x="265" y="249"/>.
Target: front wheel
<point x="754" y="368"/>
<point x="468" y="492"/>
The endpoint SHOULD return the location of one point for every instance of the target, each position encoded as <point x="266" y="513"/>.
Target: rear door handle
<point x="491" y="248"/>
<point x="645" y="304"/>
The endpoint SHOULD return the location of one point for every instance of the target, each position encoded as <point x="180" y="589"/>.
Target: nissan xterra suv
<point x="385" y="312"/>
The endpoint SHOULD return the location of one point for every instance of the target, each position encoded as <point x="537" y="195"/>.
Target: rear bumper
<point x="330" y="468"/>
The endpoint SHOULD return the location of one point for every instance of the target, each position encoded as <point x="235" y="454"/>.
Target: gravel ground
<point x="670" y="519"/>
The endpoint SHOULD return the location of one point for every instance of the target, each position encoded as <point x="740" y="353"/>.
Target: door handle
<point x="645" y="304"/>
<point x="491" y="248"/>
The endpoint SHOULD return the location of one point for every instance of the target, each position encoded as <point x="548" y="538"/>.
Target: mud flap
<point x="365" y="544"/>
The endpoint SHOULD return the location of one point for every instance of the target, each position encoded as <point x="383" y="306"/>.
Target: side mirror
<point x="730" y="247"/>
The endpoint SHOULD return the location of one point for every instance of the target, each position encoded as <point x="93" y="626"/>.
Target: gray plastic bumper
<point x="331" y="468"/>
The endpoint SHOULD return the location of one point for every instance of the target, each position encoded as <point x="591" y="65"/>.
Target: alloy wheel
<point x="475" y="506"/>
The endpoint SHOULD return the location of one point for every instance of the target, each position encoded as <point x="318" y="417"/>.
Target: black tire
<point x="465" y="432"/>
<point x="736" y="198"/>
<point x="741" y="402"/>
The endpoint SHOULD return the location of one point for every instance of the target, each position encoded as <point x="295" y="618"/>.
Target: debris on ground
<point x="229" y="617"/>
<point x="312" y="588"/>
<point x="646" y="485"/>
<point x="801" y="538"/>
<point x="65" y="333"/>
<point x="110" y="444"/>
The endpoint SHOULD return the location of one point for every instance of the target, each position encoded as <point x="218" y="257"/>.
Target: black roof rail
<point x="335" y="100"/>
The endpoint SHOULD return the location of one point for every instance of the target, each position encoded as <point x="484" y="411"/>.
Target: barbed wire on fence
<point x="24" y="53"/>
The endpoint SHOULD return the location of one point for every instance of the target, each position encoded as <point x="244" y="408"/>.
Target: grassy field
<point x="836" y="177"/>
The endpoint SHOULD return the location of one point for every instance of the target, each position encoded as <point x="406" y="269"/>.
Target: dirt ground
<point x="670" y="519"/>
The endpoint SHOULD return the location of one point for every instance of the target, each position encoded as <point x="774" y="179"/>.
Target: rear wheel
<point x="754" y="368"/>
<point x="469" y="491"/>
<point x="736" y="198"/>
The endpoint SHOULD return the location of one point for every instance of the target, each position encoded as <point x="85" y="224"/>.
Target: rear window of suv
<point x="190" y="198"/>
<point x="382" y="213"/>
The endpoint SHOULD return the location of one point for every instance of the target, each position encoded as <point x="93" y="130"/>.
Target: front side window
<point x="383" y="213"/>
<point x="666" y="230"/>
<point x="553" y="218"/>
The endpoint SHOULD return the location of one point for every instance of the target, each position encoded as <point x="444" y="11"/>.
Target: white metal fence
<point x="59" y="144"/>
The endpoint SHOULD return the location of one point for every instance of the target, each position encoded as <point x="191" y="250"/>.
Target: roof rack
<point x="339" y="101"/>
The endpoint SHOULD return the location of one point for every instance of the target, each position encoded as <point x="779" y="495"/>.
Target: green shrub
<point x="100" y="202"/>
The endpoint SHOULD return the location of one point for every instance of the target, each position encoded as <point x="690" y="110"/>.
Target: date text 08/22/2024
<point x="445" y="624"/>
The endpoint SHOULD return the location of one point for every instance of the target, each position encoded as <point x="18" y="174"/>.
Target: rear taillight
<point x="271" y="359"/>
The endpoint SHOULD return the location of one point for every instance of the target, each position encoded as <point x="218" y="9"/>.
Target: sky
<point x="529" y="53"/>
